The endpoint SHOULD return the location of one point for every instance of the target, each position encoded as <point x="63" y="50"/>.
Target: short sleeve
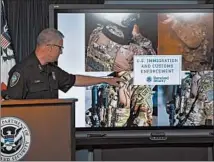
<point x="65" y="80"/>
<point x="16" y="85"/>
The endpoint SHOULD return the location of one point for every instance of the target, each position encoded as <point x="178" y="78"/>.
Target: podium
<point x="38" y="130"/>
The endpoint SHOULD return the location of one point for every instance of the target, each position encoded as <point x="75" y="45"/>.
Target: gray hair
<point x="49" y="35"/>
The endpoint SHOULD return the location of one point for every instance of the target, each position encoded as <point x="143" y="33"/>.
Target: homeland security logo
<point x="149" y="79"/>
<point x="15" y="139"/>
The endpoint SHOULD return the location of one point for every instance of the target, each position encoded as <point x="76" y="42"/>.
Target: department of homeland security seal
<point x="15" y="139"/>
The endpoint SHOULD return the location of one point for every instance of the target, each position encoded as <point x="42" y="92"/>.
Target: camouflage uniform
<point x="109" y="49"/>
<point x="134" y="105"/>
<point x="195" y="104"/>
<point x="104" y="54"/>
<point x="197" y="56"/>
<point x="112" y="104"/>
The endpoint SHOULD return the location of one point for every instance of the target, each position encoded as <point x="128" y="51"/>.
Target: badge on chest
<point x="37" y="81"/>
<point x="53" y="75"/>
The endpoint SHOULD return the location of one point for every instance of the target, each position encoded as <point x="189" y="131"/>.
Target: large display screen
<point x="104" y="42"/>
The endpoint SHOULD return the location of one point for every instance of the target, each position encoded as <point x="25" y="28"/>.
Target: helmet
<point x="130" y="20"/>
<point x="121" y="19"/>
<point x="119" y="26"/>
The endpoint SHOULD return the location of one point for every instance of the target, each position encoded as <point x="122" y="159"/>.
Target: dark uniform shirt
<point x="31" y="80"/>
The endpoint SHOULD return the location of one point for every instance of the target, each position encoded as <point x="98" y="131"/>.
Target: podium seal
<point x="15" y="139"/>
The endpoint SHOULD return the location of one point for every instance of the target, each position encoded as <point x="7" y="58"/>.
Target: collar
<point x="37" y="63"/>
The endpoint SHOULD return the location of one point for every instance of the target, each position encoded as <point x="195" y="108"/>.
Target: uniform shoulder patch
<point x="14" y="79"/>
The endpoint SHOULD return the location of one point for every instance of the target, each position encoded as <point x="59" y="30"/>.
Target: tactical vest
<point x="126" y="106"/>
<point x="106" y="54"/>
<point x="194" y="105"/>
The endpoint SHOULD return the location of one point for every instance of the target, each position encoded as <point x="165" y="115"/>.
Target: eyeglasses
<point x="60" y="47"/>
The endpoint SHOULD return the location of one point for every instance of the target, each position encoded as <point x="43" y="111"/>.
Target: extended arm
<point x="66" y="80"/>
<point x="82" y="80"/>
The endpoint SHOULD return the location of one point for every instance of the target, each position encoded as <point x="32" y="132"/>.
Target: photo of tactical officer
<point x="112" y="39"/>
<point x="191" y="103"/>
<point x="125" y="106"/>
<point x="189" y="35"/>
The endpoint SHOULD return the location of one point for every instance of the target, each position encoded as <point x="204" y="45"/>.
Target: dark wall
<point x="26" y="18"/>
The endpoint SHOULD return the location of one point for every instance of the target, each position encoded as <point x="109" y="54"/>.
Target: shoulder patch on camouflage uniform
<point x="14" y="79"/>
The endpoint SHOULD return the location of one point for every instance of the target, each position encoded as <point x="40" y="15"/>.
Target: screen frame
<point x="54" y="9"/>
<point x="65" y="8"/>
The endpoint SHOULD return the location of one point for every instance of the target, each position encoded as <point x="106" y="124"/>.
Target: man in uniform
<point x="194" y="104"/>
<point x="196" y="46"/>
<point x="135" y="101"/>
<point x="127" y="106"/>
<point x="132" y="104"/>
<point x="111" y="47"/>
<point x="38" y="77"/>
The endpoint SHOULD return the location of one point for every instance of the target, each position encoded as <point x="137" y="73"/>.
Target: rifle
<point x="95" y="118"/>
<point x="99" y="105"/>
<point x="103" y="105"/>
<point x="171" y="106"/>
